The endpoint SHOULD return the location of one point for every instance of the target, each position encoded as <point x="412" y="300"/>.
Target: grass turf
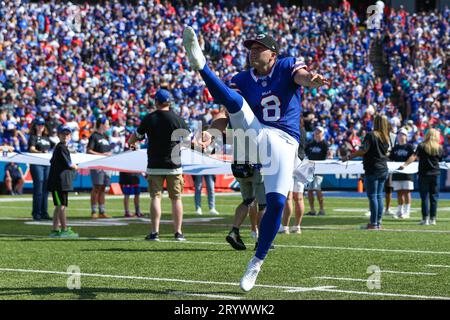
<point x="332" y="256"/>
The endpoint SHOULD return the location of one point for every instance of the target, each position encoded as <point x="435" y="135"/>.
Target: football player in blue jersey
<point x="265" y="99"/>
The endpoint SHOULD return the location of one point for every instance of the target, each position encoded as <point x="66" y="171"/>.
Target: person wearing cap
<point x="159" y="126"/>
<point x="99" y="145"/>
<point x="264" y="99"/>
<point x="39" y="142"/>
<point x="60" y="182"/>
<point x="316" y="150"/>
<point x="403" y="184"/>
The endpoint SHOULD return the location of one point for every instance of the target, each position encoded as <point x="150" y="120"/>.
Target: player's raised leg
<point x="221" y="93"/>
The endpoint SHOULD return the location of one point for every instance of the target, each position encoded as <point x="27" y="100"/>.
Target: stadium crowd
<point x="72" y="65"/>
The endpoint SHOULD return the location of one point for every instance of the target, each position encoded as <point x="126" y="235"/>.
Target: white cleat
<point x="195" y="55"/>
<point x="249" y="279"/>
<point x="199" y="211"/>
<point x="254" y="234"/>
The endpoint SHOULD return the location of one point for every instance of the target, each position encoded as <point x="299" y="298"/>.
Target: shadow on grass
<point x="156" y="250"/>
<point x="91" y="293"/>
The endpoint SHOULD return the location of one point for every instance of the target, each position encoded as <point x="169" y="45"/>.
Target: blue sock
<point x="220" y="92"/>
<point x="270" y="223"/>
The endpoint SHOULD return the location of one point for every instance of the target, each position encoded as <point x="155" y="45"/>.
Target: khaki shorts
<point x="253" y="187"/>
<point x="175" y="185"/>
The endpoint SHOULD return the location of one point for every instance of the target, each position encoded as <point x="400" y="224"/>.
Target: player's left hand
<point x="318" y="80"/>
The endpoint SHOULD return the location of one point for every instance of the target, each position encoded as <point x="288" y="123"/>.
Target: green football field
<point x="332" y="259"/>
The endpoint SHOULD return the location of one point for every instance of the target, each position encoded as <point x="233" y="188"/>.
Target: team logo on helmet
<point x="260" y="36"/>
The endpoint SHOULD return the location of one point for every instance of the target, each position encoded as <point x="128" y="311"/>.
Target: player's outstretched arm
<point x="307" y="79"/>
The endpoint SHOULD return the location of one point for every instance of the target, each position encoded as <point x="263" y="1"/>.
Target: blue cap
<point x="162" y="96"/>
<point x="40" y="121"/>
<point x="64" y="128"/>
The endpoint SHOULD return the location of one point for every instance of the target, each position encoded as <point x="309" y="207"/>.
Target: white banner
<point x="193" y="162"/>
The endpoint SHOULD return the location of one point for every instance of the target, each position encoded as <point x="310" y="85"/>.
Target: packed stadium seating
<point x="73" y="64"/>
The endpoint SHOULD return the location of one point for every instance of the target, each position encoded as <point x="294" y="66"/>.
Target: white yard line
<point x="226" y="244"/>
<point x="304" y="289"/>
<point x="366" y="249"/>
<point x="411" y="273"/>
<point x="340" y="279"/>
<point x="437" y="266"/>
<point x="286" y="288"/>
<point x="213" y="296"/>
<point x="384" y="294"/>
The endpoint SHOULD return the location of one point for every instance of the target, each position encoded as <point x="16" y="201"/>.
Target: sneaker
<point x="311" y="213"/>
<point x="94" y="215"/>
<point x="68" y="233"/>
<point x="369" y="227"/>
<point x="139" y="215"/>
<point x="425" y="222"/>
<point x="128" y="215"/>
<point x="198" y="211"/>
<point x="213" y="211"/>
<point x="234" y="239"/>
<point x="379" y="228"/>
<point x="254" y="234"/>
<point x="433" y="222"/>
<point x="389" y="212"/>
<point x="321" y="212"/>
<point x="55" y="234"/>
<point x="296" y="230"/>
<point x="153" y="236"/>
<point x="249" y="279"/>
<point x="104" y="216"/>
<point x="195" y="55"/>
<point x="405" y="216"/>
<point x="179" y="236"/>
<point x="283" y="230"/>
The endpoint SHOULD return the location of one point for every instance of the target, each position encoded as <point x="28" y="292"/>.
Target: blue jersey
<point x="274" y="99"/>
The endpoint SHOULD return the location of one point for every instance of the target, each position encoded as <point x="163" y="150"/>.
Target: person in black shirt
<point x="316" y="150"/>
<point x="39" y="142"/>
<point x="402" y="183"/>
<point x="60" y="182"/>
<point x="159" y="127"/>
<point x="429" y="153"/>
<point x="375" y="150"/>
<point x="99" y="145"/>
